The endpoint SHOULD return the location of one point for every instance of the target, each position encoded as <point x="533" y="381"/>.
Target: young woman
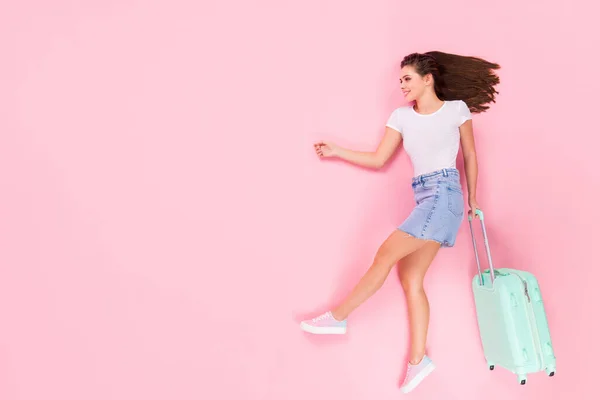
<point x="445" y="89"/>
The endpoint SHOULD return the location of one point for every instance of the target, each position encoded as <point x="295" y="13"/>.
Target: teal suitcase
<point x="511" y="317"/>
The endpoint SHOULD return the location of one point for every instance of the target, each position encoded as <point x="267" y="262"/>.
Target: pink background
<point x="165" y="223"/>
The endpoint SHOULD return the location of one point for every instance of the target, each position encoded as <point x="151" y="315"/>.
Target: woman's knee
<point x="411" y="283"/>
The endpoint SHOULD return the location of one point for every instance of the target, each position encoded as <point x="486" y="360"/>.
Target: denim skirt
<point x="439" y="208"/>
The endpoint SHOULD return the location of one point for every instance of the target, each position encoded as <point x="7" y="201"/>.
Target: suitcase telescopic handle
<point x="479" y="213"/>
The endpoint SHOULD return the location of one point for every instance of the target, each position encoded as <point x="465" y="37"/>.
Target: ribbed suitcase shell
<point x="512" y="320"/>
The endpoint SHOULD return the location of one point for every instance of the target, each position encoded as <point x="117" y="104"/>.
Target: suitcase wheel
<point x="491" y="367"/>
<point x="550" y="371"/>
<point x="522" y="379"/>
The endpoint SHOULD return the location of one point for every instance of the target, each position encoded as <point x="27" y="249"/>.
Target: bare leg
<point x="395" y="247"/>
<point x="412" y="271"/>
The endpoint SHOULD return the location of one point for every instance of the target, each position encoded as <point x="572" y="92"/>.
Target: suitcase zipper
<point x="525" y="288"/>
<point x="526" y="291"/>
<point x="536" y="335"/>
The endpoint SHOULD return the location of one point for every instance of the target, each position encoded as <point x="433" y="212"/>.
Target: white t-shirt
<point x="431" y="140"/>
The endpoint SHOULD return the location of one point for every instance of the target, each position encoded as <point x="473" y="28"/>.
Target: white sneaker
<point x="324" y="324"/>
<point x="416" y="373"/>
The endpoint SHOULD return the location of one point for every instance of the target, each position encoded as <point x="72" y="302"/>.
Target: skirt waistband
<point x="446" y="172"/>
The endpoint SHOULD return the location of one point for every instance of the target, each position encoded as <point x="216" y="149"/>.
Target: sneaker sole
<point x="330" y="330"/>
<point x="419" y="378"/>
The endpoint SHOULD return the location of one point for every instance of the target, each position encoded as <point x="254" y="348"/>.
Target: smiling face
<point x="412" y="84"/>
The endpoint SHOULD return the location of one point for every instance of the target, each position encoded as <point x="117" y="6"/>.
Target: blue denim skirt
<point x="440" y="207"/>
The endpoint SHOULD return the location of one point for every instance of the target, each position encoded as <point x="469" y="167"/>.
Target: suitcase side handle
<point x="479" y="213"/>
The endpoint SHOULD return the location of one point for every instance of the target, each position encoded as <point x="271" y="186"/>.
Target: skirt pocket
<point x="456" y="203"/>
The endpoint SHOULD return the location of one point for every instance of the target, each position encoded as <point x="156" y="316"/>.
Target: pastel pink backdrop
<point x="165" y="223"/>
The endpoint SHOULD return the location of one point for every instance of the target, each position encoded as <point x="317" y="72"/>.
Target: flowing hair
<point x="457" y="77"/>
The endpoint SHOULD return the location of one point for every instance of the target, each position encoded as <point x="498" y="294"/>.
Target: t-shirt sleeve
<point x="464" y="114"/>
<point x="394" y="121"/>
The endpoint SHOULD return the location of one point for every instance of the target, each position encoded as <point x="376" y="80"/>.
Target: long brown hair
<point x="457" y="77"/>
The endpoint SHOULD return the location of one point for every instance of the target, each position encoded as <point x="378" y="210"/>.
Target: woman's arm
<point x="370" y="159"/>
<point x="470" y="157"/>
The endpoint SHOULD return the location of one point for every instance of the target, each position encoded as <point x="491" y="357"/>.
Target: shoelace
<point x="408" y="371"/>
<point x="321" y="317"/>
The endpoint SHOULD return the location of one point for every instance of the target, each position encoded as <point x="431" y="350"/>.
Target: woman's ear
<point x="428" y="79"/>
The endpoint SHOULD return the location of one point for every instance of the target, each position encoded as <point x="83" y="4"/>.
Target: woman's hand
<point x="474" y="206"/>
<point x="326" y="149"/>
